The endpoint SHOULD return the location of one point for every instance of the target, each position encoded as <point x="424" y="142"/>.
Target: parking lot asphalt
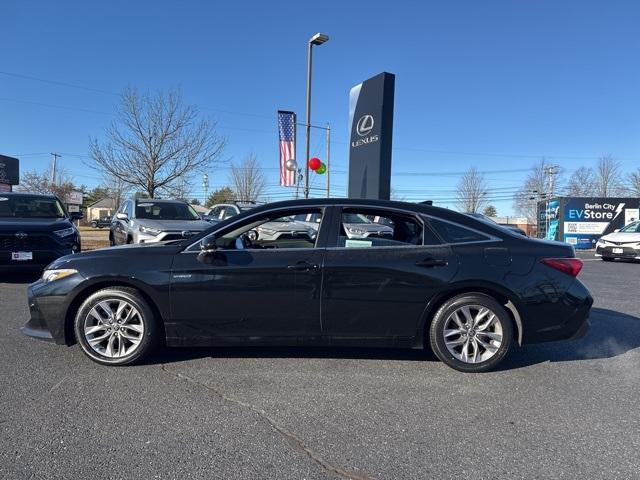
<point x="557" y="410"/>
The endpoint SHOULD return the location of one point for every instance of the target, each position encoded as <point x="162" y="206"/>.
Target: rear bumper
<point x="567" y="317"/>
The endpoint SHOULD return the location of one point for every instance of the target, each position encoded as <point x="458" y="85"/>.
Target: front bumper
<point x="48" y="305"/>
<point x="621" y="251"/>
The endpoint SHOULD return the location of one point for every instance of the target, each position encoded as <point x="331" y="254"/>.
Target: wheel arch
<point x="502" y="295"/>
<point x="90" y="289"/>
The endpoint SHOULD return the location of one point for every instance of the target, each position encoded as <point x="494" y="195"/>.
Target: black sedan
<point x="468" y="289"/>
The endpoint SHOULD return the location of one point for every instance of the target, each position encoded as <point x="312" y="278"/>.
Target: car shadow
<point x="611" y="334"/>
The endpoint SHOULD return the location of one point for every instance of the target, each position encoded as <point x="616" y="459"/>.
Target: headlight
<point x="51" y="275"/>
<point x="154" y="232"/>
<point x="356" y="231"/>
<point x="65" y="232"/>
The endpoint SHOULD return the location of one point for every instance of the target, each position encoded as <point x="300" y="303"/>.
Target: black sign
<point x="9" y="170"/>
<point x="371" y="120"/>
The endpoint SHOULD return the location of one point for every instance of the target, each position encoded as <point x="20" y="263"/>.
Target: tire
<point x="112" y="242"/>
<point x="485" y="332"/>
<point x="141" y="327"/>
<point x="94" y="225"/>
<point x="608" y="259"/>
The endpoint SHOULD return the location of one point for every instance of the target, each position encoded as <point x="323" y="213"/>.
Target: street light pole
<point x="317" y="39"/>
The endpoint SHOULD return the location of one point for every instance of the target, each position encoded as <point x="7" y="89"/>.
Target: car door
<point x="262" y="295"/>
<point x="378" y="287"/>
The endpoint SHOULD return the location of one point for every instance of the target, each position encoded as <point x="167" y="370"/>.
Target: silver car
<point x="358" y="226"/>
<point x="145" y="220"/>
<point x="282" y="228"/>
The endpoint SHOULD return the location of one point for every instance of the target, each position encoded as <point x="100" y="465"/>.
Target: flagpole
<point x="328" y="160"/>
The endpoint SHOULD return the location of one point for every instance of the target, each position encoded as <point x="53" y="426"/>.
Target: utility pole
<point x="205" y="185"/>
<point x="328" y="160"/>
<point x="53" y="169"/>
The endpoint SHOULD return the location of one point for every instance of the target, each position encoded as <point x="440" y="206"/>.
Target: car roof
<point x="421" y="208"/>
<point x="158" y="200"/>
<point x="28" y="194"/>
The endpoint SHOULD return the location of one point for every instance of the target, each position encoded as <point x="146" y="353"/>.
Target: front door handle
<point x="303" y="266"/>
<point x="432" y="262"/>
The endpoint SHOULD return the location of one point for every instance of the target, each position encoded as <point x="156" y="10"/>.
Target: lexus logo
<point x="365" y="125"/>
<point x="21" y="235"/>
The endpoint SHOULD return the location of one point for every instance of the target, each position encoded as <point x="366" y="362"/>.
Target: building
<point x="105" y="207"/>
<point x="581" y="221"/>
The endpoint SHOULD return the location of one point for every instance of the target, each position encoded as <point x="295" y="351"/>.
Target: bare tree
<point x="472" y="189"/>
<point x="116" y="189"/>
<point x="582" y="183"/>
<point x="608" y="177"/>
<point x="536" y="187"/>
<point x="156" y="141"/>
<point x="34" y="182"/>
<point x="247" y="179"/>
<point x="633" y="183"/>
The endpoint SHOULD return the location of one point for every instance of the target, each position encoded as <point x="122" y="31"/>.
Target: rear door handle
<point x="303" y="266"/>
<point x="432" y="262"/>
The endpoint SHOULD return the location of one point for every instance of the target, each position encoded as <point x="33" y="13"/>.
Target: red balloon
<point x="314" y="163"/>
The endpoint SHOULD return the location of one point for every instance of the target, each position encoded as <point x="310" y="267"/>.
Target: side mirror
<point x="76" y="215"/>
<point x="208" y="244"/>
<point x="122" y="216"/>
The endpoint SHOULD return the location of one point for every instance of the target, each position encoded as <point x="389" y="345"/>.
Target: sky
<point x="493" y="84"/>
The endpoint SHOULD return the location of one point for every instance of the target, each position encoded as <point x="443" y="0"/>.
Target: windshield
<point x="354" y="218"/>
<point x="166" y="211"/>
<point x="632" y="228"/>
<point x="30" y="206"/>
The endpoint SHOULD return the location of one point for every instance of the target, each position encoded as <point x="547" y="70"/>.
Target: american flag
<point x="287" y="136"/>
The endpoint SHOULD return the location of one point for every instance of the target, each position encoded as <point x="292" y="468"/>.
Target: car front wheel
<point x="116" y="326"/>
<point x="471" y="333"/>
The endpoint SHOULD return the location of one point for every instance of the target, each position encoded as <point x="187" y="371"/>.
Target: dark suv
<point x="35" y="230"/>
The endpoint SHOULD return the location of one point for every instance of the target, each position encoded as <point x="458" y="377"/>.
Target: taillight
<point x="570" y="266"/>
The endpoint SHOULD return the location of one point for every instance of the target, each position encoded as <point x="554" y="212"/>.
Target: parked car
<point x="143" y="220"/>
<point x="101" y="222"/>
<point x="508" y="226"/>
<point x="623" y="243"/>
<point x="35" y="230"/>
<point x="464" y="287"/>
<point x="222" y="211"/>
<point x="280" y="228"/>
<point x="359" y="226"/>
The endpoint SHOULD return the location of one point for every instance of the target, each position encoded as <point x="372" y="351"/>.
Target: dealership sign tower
<point x="371" y="122"/>
<point x="9" y="173"/>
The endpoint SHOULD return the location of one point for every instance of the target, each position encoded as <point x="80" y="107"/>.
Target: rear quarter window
<point x="454" y="233"/>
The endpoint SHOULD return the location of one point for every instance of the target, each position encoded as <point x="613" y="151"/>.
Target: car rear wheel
<point x="471" y="332"/>
<point x="116" y="326"/>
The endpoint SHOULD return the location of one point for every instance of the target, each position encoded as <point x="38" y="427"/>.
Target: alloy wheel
<point x="114" y="328"/>
<point x="473" y="333"/>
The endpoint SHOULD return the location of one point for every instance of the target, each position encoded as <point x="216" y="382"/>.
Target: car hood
<point x="369" y="227"/>
<point x="285" y="226"/>
<point x="174" y="225"/>
<point x="8" y="225"/>
<point x="622" y="237"/>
